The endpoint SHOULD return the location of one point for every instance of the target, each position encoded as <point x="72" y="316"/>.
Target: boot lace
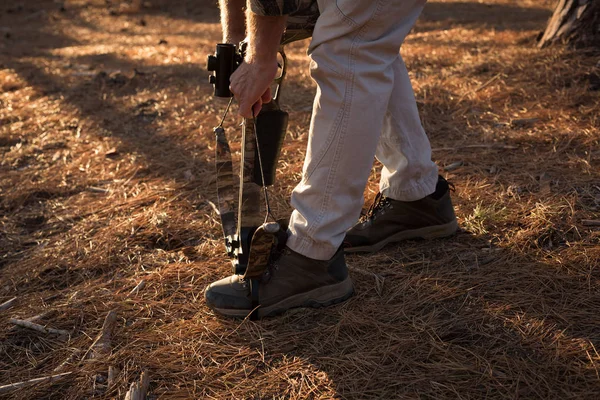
<point x="379" y="203"/>
<point x="273" y="265"/>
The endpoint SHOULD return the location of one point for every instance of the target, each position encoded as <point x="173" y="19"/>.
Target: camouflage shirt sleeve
<point x="274" y="7"/>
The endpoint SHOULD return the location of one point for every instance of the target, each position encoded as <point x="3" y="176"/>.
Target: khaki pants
<point x="364" y="107"/>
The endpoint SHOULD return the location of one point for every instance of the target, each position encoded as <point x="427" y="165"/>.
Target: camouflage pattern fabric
<point x="302" y="14"/>
<point x="250" y="202"/>
<point x="225" y="187"/>
<point x="260" y="252"/>
<point x="301" y="23"/>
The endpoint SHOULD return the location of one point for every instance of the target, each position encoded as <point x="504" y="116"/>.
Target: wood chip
<point x="138" y="390"/>
<point x="453" y="166"/>
<point x="111" y="152"/>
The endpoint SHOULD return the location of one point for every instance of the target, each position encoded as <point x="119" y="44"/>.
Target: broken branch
<point x="101" y="345"/>
<point x="37" y="327"/>
<point x="137" y="288"/>
<point x="32" y="382"/>
<point x="590" y="222"/>
<point x="68" y="361"/>
<point x="138" y="390"/>
<point x="8" y="304"/>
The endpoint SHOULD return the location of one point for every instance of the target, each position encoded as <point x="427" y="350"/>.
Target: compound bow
<point x="251" y="241"/>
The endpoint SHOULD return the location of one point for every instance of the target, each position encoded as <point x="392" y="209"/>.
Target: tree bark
<point x="575" y="22"/>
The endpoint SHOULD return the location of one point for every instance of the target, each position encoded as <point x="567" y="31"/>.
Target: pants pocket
<point x="356" y="12"/>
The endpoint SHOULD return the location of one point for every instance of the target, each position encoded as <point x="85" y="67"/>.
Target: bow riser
<point x="257" y="169"/>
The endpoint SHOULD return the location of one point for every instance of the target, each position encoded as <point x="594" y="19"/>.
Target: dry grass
<point x="105" y="180"/>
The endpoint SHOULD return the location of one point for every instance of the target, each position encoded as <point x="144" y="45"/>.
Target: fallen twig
<point x="8" y="304"/>
<point x="112" y="374"/>
<point x="35" y="318"/>
<point x="379" y="280"/>
<point x="101" y="345"/>
<point x="453" y="166"/>
<point x="137" y="288"/>
<point x="590" y="222"/>
<point x="214" y="207"/>
<point x="45" y="314"/>
<point x="97" y="189"/>
<point x="138" y="390"/>
<point x="68" y="361"/>
<point x="478" y="146"/>
<point x="32" y="382"/>
<point x="478" y="88"/>
<point x="37" y="327"/>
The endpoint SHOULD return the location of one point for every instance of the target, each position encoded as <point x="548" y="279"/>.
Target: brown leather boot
<point x="292" y="281"/>
<point x="390" y="221"/>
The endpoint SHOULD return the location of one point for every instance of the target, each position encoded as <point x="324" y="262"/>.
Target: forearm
<point x="251" y="82"/>
<point x="233" y="21"/>
<point x="264" y="37"/>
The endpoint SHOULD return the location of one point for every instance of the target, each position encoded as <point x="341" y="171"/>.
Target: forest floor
<point x="107" y="177"/>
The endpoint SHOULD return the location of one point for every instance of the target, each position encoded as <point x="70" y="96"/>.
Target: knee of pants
<point x="325" y="64"/>
<point x="370" y="70"/>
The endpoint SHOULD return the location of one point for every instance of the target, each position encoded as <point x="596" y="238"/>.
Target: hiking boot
<point x="389" y="221"/>
<point x="291" y="281"/>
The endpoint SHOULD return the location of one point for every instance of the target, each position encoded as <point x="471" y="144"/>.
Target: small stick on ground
<point x="45" y="314"/>
<point x="8" y="304"/>
<point x="477" y="146"/>
<point x="379" y="280"/>
<point x="138" y="390"/>
<point x="112" y="374"/>
<point x="68" y="361"/>
<point x="101" y="345"/>
<point x="137" y="288"/>
<point x="453" y="166"/>
<point x="32" y="382"/>
<point x="35" y="318"/>
<point x="37" y="327"/>
<point x="590" y="222"/>
<point x="95" y="189"/>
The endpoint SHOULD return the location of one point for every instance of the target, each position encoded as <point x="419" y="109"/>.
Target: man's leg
<point x="354" y="55"/>
<point x="413" y="202"/>
<point x="408" y="173"/>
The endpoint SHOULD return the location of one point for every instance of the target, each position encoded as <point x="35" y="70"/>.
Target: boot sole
<point x="429" y="232"/>
<point x="320" y="297"/>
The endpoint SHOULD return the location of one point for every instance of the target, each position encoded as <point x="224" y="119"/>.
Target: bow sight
<point x="251" y="242"/>
<point x="223" y="64"/>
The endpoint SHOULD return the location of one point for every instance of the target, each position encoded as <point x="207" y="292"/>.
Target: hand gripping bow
<point x="250" y="240"/>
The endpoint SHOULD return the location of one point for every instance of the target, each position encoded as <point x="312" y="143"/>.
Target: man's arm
<point x="251" y="82"/>
<point x="233" y="21"/>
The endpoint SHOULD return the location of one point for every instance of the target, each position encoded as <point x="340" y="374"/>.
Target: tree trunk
<point x="576" y="22"/>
